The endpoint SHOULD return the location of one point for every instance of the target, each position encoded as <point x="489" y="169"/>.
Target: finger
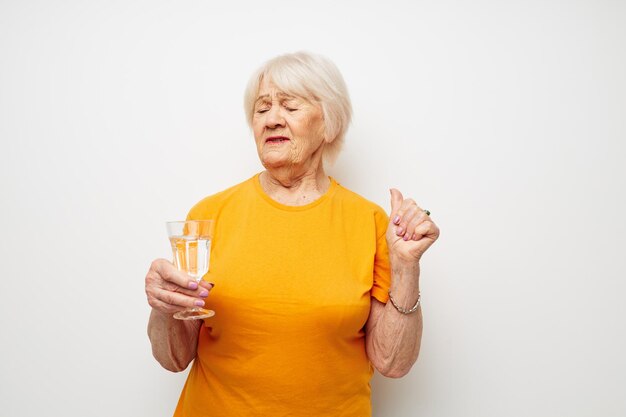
<point x="159" y="298"/>
<point x="408" y="211"/>
<point x="406" y="215"/>
<point x="426" y="229"/>
<point x="419" y="217"/>
<point x="176" y="300"/>
<point x="206" y="285"/>
<point x="396" y="202"/>
<point x="433" y="231"/>
<point x="204" y="289"/>
<point x="168" y="272"/>
<point x="155" y="281"/>
<point x="200" y="292"/>
<point x="163" y="307"/>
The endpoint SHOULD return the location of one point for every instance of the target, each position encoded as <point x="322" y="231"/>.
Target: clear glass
<point x="191" y="247"/>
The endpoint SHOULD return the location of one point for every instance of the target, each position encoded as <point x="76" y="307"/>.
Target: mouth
<point x="276" y="139"/>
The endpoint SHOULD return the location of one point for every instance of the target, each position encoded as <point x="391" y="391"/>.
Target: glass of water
<point x="191" y="247"/>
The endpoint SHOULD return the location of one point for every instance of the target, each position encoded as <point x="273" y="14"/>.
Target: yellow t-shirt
<point x="292" y="296"/>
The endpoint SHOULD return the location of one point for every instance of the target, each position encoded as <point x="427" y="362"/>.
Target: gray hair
<point x="314" y="78"/>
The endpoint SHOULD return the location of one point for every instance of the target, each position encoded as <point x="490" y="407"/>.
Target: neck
<point x="292" y="188"/>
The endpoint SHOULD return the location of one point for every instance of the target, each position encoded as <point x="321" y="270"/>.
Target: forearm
<point x="395" y="339"/>
<point x="174" y="342"/>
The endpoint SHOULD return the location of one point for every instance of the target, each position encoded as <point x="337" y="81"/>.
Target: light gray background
<point x="505" y="119"/>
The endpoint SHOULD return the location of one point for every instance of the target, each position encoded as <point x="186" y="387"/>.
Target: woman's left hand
<point x="411" y="231"/>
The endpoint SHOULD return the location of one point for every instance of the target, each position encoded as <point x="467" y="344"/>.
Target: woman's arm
<point x="174" y="342"/>
<point x="392" y="339"/>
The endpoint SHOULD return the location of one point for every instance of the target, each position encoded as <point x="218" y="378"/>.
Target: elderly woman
<point x="313" y="285"/>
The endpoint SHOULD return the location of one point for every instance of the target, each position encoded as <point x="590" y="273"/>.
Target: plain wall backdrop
<point x="506" y="119"/>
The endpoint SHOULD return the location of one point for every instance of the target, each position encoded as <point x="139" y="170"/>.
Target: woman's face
<point x="288" y="130"/>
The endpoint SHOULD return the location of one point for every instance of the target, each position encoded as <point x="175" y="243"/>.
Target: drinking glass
<point x="191" y="246"/>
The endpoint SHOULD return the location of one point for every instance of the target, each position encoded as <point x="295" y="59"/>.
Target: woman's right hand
<point x="170" y="290"/>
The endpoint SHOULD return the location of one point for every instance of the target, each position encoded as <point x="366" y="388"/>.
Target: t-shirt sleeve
<point x="382" y="269"/>
<point x="204" y="209"/>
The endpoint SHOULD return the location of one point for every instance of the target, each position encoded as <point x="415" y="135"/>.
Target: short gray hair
<point x="315" y="78"/>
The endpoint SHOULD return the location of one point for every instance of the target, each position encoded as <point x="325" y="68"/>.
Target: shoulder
<point x="358" y="203"/>
<point x="214" y="203"/>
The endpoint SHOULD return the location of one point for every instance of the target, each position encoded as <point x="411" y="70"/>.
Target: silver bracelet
<point x="404" y="310"/>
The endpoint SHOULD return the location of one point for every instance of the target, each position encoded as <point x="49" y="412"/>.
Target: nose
<point x="274" y="118"/>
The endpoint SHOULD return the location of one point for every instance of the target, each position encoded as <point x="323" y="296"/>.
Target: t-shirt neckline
<point x="331" y="190"/>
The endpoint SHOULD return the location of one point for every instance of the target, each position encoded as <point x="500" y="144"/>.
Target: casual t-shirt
<point x="292" y="296"/>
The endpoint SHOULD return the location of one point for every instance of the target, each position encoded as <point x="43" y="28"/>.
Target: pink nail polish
<point x="396" y="220"/>
<point x="199" y="303"/>
<point x="203" y="293"/>
<point x="399" y="231"/>
<point x="406" y="237"/>
<point x="193" y="285"/>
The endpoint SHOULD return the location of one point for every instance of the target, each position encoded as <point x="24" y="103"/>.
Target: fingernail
<point x="399" y="231"/>
<point x="203" y="293"/>
<point x="414" y="237"/>
<point x="396" y="219"/>
<point x="406" y="237"/>
<point x="199" y="303"/>
<point x="193" y="285"/>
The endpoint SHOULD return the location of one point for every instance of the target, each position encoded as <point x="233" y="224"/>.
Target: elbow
<point x="395" y="373"/>
<point x="170" y="362"/>
<point x="172" y="367"/>
<point x="392" y="366"/>
<point x="391" y="371"/>
<point x="166" y="356"/>
<point x="171" y="356"/>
